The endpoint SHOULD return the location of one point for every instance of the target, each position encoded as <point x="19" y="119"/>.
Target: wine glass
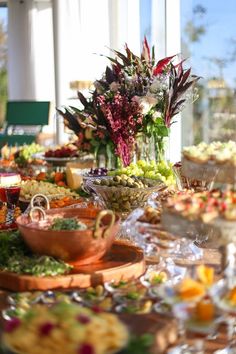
<point x="12" y="196"/>
<point x="3" y="197"/>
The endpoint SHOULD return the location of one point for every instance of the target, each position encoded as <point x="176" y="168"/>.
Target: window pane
<point x="209" y="40"/>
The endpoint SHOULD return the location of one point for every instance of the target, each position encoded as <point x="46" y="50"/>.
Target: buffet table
<point x="162" y="327"/>
<point x="135" y="248"/>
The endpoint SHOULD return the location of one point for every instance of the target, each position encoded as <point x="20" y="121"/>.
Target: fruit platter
<point x="60" y="155"/>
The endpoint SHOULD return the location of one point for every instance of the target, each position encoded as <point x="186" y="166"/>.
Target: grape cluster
<point x="24" y="155"/>
<point x="161" y="171"/>
<point x="102" y="171"/>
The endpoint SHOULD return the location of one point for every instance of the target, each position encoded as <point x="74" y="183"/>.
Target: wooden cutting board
<point x="124" y="261"/>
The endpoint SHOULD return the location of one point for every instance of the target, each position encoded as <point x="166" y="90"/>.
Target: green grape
<point x="141" y="163"/>
<point x="159" y="171"/>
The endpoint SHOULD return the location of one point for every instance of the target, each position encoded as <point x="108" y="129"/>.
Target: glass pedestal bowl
<point x="124" y="199"/>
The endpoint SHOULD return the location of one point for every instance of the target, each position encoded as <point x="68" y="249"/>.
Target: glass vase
<point x="149" y="148"/>
<point x="106" y="158"/>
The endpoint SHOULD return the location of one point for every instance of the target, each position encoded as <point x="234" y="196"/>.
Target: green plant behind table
<point x="3" y="94"/>
<point x="3" y="72"/>
<point x="136" y="95"/>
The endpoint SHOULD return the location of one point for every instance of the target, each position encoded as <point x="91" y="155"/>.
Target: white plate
<point x="41" y="156"/>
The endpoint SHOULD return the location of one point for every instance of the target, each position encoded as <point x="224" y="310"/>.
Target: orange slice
<point x="190" y="289"/>
<point x="205" y="310"/>
<point x="205" y="275"/>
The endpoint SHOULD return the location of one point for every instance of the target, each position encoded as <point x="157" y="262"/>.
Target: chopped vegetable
<point x="67" y="224"/>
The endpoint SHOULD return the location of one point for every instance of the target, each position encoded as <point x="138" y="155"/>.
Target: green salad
<point x="59" y="224"/>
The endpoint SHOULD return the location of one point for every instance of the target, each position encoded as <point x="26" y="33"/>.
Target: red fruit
<point x="46" y="328"/>
<point x="83" y="319"/>
<point x="12" y="324"/>
<point x="86" y="348"/>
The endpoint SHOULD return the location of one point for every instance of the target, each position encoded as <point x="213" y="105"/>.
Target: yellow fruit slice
<point x="190" y="289"/>
<point x="205" y="275"/>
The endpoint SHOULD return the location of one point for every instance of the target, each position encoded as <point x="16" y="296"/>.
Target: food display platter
<point x="209" y="171"/>
<point x="55" y="161"/>
<point x="123" y="261"/>
<point x="215" y="234"/>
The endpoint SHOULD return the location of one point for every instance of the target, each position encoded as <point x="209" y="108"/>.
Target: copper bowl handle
<point x="41" y="213"/>
<point x="98" y="222"/>
<point x="41" y="196"/>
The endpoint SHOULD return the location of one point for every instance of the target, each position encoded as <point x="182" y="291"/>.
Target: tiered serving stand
<point x="219" y="233"/>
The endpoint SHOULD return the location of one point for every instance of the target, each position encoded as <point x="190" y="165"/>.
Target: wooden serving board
<point x="124" y="261"/>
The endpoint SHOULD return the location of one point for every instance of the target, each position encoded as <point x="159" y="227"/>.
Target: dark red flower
<point x="86" y="348"/>
<point x="12" y="324"/>
<point x="124" y="118"/>
<point x="46" y="328"/>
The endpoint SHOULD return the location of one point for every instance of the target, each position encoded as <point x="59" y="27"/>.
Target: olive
<point x="103" y="182"/>
<point x="130" y="180"/>
<point x="126" y="205"/>
<point x="115" y="206"/>
<point x="117" y="178"/>
<point x="124" y="177"/>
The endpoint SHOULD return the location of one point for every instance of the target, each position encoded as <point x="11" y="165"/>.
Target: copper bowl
<point x="74" y="246"/>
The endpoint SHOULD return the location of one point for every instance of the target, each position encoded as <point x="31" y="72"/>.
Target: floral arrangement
<point x="135" y="95"/>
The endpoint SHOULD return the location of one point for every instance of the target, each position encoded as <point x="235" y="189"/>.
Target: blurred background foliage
<point x="3" y="71"/>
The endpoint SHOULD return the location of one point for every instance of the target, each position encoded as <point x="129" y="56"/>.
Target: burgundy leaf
<point x="110" y="77"/>
<point x="161" y="65"/>
<point x="82" y="99"/>
<point x="130" y="55"/>
<point x="146" y="50"/>
<point x="116" y="68"/>
<point x="179" y="67"/>
<point x="185" y="76"/>
<point x="125" y="60"/>
<point x="115" y="61"/>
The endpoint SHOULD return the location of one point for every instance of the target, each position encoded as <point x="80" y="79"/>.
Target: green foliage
<point x="3" y="94"/>
<point x="17" y="258"/>
<point x="139" y="344"/>
<point x="3" y="72"/>
<point x="67" y="224"/>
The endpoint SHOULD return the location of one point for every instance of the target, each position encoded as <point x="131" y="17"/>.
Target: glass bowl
<point x="124" y="199"/>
